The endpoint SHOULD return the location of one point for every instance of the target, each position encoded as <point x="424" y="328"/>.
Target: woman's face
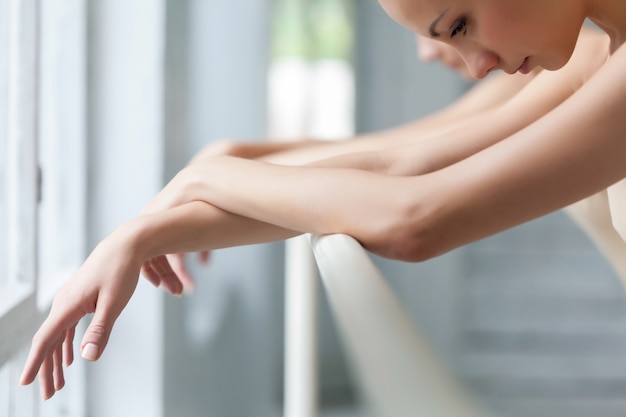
<point x="508" y="35"/>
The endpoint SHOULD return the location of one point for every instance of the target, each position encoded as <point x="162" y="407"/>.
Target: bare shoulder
<point x="591" y="53"/>
<point x="612" y="72"/>
<point x="592" y="43"/>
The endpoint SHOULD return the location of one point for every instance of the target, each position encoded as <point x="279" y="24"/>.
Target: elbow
<point x="412" y="246"/>
<point x="410" y="235"/>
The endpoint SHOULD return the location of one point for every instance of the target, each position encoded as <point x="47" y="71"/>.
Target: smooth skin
<point x="484" y="97"/>
<point x="591" y="214"/>
<point x="409" y="202"/>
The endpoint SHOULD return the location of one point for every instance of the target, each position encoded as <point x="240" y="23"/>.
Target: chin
<point x="552" y="67"/>
<point x="556" y="64"/>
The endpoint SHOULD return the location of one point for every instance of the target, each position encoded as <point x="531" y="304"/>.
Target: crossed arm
<point x="575" y="150"/>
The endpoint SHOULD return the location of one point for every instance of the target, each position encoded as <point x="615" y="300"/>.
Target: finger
<point x="95" y="339"/>
<point x="46" y="380"/>
<point x="68" y="346"/>
<point x="99" y="330"/>
<point x="169" y="278"/>
<point x="148" y="272"/>
<point x="34" y="361"/>
<point x="177" y="263"/>
<point x="57" y="371"/>
<point x="46" y="339"/>
<point x="157" y="271"/>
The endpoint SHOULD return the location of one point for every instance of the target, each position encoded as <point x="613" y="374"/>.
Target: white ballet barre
<point x="301" y="330"/>
<point x="396" y="370"/>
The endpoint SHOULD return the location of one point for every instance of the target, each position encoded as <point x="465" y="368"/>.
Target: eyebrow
<point x="431" y="30"/>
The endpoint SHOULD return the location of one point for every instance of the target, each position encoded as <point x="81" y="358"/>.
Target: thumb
<point x="96" y="337"/>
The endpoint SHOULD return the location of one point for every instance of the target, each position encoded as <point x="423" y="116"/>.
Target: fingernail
<point x="90" y="352"/>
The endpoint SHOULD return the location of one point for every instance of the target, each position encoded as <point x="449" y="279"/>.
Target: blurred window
<point x="311" y="78"/>
<point x="42" y="141"/>
<point x="18" y="182"/>
<point x="4" y="110"/>
<point x="61" y="144"/>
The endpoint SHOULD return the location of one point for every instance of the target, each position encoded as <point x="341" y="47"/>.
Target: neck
<point x="610" y="16"/>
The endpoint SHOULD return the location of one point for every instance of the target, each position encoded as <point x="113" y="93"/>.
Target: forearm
<point x="197" y="226"/>
<point x="575" y="151"/>
<point x="304" y="199"/>
<point x="572" y="152"/>
<point x="485" y="188"/>
<point x="258" y="149"/>
<point x="417" y="148"/>
<point x="481" y="98"/>
<point x="408" y="134"/>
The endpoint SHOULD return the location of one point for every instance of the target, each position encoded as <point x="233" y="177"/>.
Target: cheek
<point x="500" y="35"/>
<point x="504" y="27"/>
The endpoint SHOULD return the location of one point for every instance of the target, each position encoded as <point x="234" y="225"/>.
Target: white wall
<point x="223" y="343"/>
<point x="125" y="170"/>
<point x="160" y="89"/>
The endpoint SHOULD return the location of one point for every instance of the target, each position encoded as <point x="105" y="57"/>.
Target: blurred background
<point x="532" y="320"/>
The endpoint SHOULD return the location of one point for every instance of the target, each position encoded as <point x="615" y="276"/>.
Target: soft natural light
<point x="61" y="149"/>
<point x="311" y="79"/>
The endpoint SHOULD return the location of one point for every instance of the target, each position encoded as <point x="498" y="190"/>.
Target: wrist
<point x="174" y="230"/>
<point x="136" y="237"/>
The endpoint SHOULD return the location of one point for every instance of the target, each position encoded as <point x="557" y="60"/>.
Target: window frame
<point x="62" y="137"/>
<point x="18" y="292"/>
<point x="35" y="64"/>
<point x="19" y="314"/>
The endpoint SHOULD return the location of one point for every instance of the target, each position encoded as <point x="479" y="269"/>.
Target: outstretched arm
<point x="572" y="152"/>
<point x="107" y="279"/>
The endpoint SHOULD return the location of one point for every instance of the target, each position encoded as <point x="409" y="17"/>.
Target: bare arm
<point x="574" y="151"/>
<point x="477" y="107"/>
<point x="107" y="279"/>
<point x="407" y="155"/>
<point x="570" y="153"/>
<point x="493" y="110"/>
<point x="537" y="99"/>
<point x="483" y="96"/>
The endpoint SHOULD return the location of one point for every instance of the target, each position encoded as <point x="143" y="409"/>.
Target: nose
<point x="481" y="63"/>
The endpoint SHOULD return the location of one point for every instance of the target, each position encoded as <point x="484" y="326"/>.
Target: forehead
<point x="415" y="15"/>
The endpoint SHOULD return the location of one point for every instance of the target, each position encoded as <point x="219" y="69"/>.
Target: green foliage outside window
<point x="312" y="29"/>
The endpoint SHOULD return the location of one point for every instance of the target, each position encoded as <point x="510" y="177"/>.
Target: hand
<point x="171" y="272"/>
<point x="179" y="190"/>
<point x="103" y="286"/>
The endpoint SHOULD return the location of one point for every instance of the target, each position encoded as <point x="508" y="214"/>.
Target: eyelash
<point x="460" y="26"/>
